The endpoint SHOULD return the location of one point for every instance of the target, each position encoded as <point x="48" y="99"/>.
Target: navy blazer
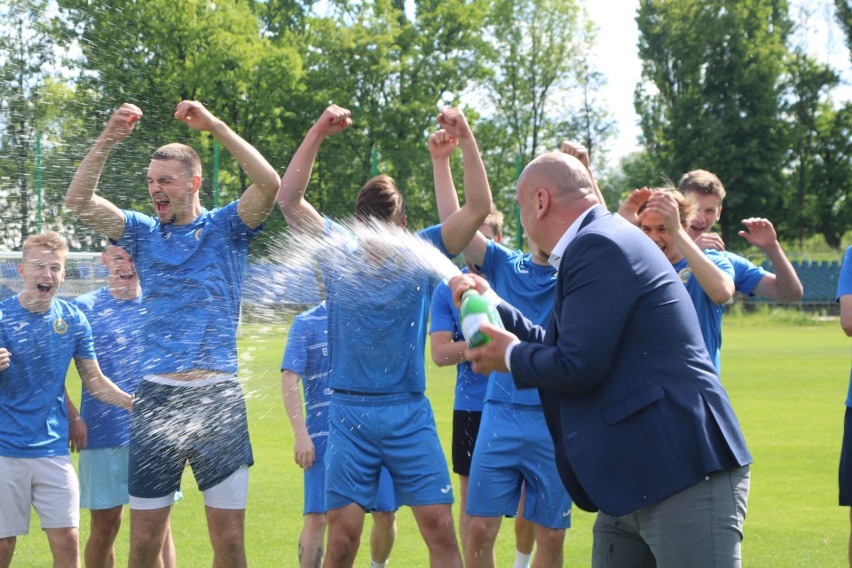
<point x="630" y="395"/>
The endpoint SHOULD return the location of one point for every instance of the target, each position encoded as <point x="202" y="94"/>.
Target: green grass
<point x="787" y="381"/>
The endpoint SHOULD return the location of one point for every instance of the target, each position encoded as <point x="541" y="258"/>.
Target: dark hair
<point x="379" y="198"/>
<point x="183" y="154"/>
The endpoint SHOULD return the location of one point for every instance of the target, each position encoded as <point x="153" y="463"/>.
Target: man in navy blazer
<point x="643" y="430"/>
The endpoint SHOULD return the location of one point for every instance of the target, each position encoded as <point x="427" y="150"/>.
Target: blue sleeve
<point x="444" y="313"/>
<point x="133" y="223"/>
<point x="85" y="347"/>
<point x="433" y="235"/>
<point x="747" y="275"/>
<point x="296" y="353"/>
<point x="495" y="259"/>
<point x="238" y="227"/>
<point x="844" y="283"/>
<point x="721" y="261"/>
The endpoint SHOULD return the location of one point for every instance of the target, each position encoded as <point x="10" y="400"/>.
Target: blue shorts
<point x="514" y="448"/>
<point x="103" y="477"/>
<point x="386" y="500"/>
<point x="394" y="431"/>
<point x="203" y="424"/>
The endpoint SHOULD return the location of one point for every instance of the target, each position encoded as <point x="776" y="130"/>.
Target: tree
<point x="157" y="53"/>
<point x="808" y="84"/>
<point x="712" y="96"/>
<point x="831" y="177"/>
<point x="544" y="87"/>
<point x="534" y="54"/>
<point x="30" y="90"/>
<point x="844" y="16"/>
<point x="589" y="121"/>
<point x="394" y="69"/>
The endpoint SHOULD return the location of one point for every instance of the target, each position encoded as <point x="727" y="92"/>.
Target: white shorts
<point x="48" y="485"/>
<point x="230" y="493"/>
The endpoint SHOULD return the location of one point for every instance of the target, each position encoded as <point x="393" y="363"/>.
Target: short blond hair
<point x="687" y="207"/>
<point x="494" y="221"/>
<point x="49" y="239"/>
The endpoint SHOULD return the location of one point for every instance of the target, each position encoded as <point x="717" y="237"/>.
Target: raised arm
<point x="460" y="227"/>
<point x="98" y="213"/>
<point x="784" y="285"/>
<point x="580" y="152"/>
<point x="304" y="452"/>
<point x="258" y="199"/>
<point x="718" y="285"/>
<point x="300" y="214"/>
<point x="629" y="208"/>
<point x="441" y="147"/>
<point x="99" y="386"/>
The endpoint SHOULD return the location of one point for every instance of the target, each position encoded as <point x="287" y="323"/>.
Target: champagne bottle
<point x="476" y="310"/>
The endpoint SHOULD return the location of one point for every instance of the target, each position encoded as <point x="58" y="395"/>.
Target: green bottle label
<point x="470" y="329"/>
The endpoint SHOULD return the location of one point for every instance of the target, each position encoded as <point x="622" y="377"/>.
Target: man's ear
<point x="542" y="202"/>
<point x="196" y="183"/>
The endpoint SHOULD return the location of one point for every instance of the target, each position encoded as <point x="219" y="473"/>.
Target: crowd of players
<point x="164" y="332"/>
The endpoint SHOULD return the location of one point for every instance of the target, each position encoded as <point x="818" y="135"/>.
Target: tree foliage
<point x="808" y="83"/>
<point x="844" y="16"/>
<point x="712" y="96"/>
<point x="32" y="100"/>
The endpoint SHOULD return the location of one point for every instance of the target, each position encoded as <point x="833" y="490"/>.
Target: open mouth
<point x="44" y="287"/>
<point x="126" y="277"/>
<point x="161" y="204"/>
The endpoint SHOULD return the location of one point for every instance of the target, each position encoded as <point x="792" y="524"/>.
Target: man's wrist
<point x="492" y="297"/>
<point x="508" y="355"/>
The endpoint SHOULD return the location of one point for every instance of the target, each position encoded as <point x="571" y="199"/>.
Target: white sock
<point x="522" y="560"/>
<point x="374" y="564"/>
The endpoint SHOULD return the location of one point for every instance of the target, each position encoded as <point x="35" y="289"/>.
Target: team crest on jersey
<point x="685" y="274"/>
<point x="198" y="233"/>
<point x="60" y="326"/>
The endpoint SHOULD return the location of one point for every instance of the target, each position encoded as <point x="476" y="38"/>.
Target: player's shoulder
<point x="312" y="316"/>
<point x="89" y="300"/>
<point x="737" y="260"/>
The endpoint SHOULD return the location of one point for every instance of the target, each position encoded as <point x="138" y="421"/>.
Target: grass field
<point x="787" y="382"/>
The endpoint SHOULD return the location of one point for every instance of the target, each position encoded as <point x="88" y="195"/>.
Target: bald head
<point x="553" y="190"/>
<point x="564" y="176"/>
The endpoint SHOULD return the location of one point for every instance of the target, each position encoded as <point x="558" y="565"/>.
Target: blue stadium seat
<point x="9" y="270"/>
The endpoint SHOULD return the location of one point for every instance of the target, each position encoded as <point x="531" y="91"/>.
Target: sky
<point x="617" y="57"/>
